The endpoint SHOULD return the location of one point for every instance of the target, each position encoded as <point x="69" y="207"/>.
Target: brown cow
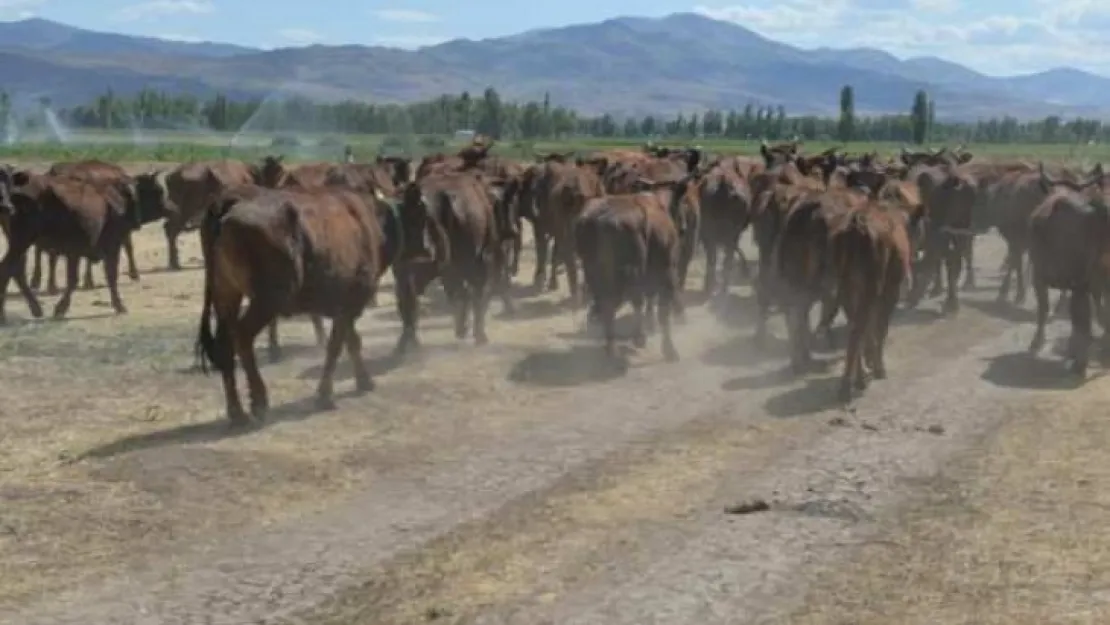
<point x="460" y="215"/>
<point x="78" y="218"/>
<point x="630" y="248"/>
<point x="950" y="195"/>
<point x="1069" y="233"/>
<point x="561" y="192"/>
<point x="290" y="252"/>
<point x="191" y="189"/>
<point x="777" y="191"/>
<point x="92" y="169"/>
<point x="726" y="200"/>
<point x="871" y="252"/>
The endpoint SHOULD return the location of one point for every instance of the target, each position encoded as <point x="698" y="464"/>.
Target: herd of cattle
<point x="853" y="233"/>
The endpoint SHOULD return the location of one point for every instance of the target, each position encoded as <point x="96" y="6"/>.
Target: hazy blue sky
<point x="997" y="36"/>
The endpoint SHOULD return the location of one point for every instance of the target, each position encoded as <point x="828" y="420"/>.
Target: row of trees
<point x="532" y="120"/>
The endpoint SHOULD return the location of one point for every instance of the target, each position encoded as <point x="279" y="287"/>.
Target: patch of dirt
<point x="1009" y="534"/>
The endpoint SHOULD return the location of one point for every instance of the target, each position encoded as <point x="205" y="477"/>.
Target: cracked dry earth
<point x="524" y="482"/>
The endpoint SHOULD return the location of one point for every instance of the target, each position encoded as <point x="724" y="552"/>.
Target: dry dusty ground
<point x="525" y="482"/>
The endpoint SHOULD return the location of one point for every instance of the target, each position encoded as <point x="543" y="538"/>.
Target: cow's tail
<point x="207" y="350"/>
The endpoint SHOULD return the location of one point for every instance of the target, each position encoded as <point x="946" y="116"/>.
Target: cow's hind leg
<point x="14" y="264"/>
<point x="318" y="329"/>
<point x="1040" y="291"/>
<point x="273" y="347"/>
<point x="969" y="263"/>
<point x="36" y="271"/>
<point x="363" y="382"/>
<point x="73" y="270"/>
<point x="667" y="299"/>
<point x="111" y="276"/>
<point x="480" y="294"/>
<point x="89" y="284"/>
<point x="129" y="250"/>
<point x="1081" y="330"/>
<point x="340" y="327"/>
<point x="257" y="317"/>
<point x="227" y="308"/>
<point x="710" y="280"/>
<point x="51" y="273"/>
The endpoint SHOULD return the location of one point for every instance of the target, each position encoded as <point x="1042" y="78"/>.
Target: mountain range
<point x="630" y="65"/>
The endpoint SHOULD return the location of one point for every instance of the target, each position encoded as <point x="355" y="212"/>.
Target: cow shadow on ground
<point x="388" y="360"/>
<point x="779" y="376"/>
<point x="915" y="316"/>
<point x="813" y="396"/>
<point x="528" y="310"/>
<point x="154" y="271"/>
<point x="1023" y="370"/>
<point x="49" y="319"/>
<point x="211" y="431"/>
<point x="1004" y="310"/>
<point x="592" y="331"/>
<point x="576" y="366"/>
<point x="734" y="311"/>
<point x="745" y="351"/>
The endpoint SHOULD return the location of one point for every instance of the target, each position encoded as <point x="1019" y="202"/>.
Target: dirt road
<point x="519" y="482"/>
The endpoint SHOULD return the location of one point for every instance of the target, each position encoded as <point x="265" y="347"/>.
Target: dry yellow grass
<point x="1012" y="535"/>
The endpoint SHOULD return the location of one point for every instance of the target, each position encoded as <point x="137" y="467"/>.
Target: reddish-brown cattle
<point x="77" y="218"/>
<point x="1069" y="246"/>
<point x="630" y="248"/>
<point x="290" y="252"/>
<point x="459" y="214"/>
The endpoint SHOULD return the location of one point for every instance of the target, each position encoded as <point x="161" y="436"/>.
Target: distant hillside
<point x="683" y="62"/>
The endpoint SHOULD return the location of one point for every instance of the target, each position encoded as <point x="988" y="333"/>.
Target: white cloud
<point x="936" y="6"/>
<point x="300" y="36"/>
<point x="406" y="15"/>
<point x="11" y="10"/>
<point x="159" y="8"/>
<point x="1014" y="40"/>
<point x="408" y="41"/>
<point x="180" y="37"/>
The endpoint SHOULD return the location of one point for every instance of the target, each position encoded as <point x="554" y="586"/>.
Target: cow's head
<point x="780" y="154"/>
<point x="400" y="169"/>
<point x="269" y="172"/>
<point x="149" y="199"/>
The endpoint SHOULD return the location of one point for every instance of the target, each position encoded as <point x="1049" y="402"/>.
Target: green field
<point x="162" y="146"/>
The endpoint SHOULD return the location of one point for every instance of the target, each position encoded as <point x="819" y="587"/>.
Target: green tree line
<point x="488" y="113"/>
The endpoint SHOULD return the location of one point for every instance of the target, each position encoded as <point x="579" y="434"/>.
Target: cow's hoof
<point x="237" y="418"/>
<point x="670" y="354"/>
<point x="480" y="338"/>
<point x="36" y="311"/>
<point x="844" y="395"/>
<point x="879" y="373"/>
<point x="951" y="307"/>
<point x="121" y="310"/>
<point x="1079" y="369"/>
<point x="134" y="276"/>
<point x="325" y="402"/>
<point x="364" y="384"/>
<point x="259" y="409"/>
<point x="639" y="340"/>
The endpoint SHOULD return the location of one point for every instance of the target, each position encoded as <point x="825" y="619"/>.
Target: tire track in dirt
<point x="281" y="572"/>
